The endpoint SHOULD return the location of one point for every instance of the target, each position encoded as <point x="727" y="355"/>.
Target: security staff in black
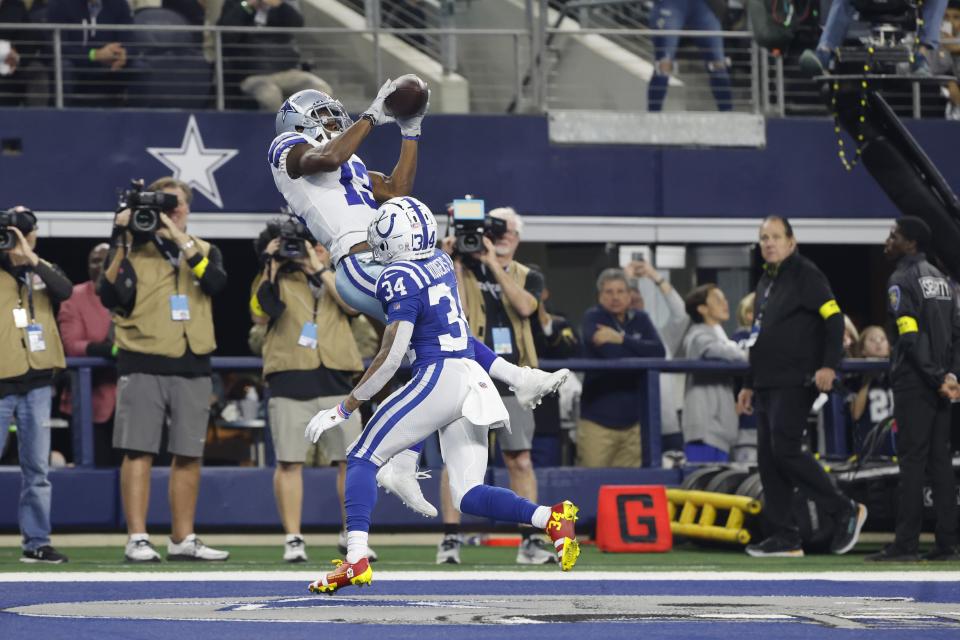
<point x="796" y="344"/>
<point x="923" y="368"/>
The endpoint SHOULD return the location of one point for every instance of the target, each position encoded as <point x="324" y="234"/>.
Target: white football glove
<point x="326" y="419"/>
<point x="410" y="127"/>
<point x="376" y="109"/>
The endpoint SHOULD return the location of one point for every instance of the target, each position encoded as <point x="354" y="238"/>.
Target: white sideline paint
<point x="500" y="576"/>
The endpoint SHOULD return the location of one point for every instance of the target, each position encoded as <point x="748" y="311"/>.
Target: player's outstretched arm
<point x="400" y="181"/>
<point x="396" y="341"/>
<point x="304" y="160"/>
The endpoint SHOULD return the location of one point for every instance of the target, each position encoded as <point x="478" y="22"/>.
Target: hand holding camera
<point x="22" y="253"/>
<point x="171" y="231"/>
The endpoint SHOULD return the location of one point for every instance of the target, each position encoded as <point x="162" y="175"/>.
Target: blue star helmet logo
<point x="285" y="109"/>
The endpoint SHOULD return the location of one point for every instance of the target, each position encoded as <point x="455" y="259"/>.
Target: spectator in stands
<point x="500" y="297"/>
<point x="744" y="320"/>
<point x="265" y="66"/>
<point x="795" y="347"/>
<point x="87" y="330"/>
<point x="159" y="287"/>
<point x="309" y="361"/>
<point x="947" y="59"/>
<point x="671" y="332"/>
<point x="553" y="335"/>
<point x="817" y="62"/>
<point x="710" y="422"/>
<point x="608" y="432"/>
<point x="32" y="353"/>
<point x="191" y="10"/>
<point x="93" y="57"/>
<point x="12" y="84"/>
<point x="872" y="404"/>
<point x="697" y="15"/>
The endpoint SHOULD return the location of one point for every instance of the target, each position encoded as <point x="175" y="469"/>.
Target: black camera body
<point x="293" y="240"/>
<point x="145" y="207"/>
<point x="22" y="219"/>
<point x="471" y="222"/>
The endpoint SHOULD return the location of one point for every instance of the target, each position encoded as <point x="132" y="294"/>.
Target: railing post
<point x="915" y="90"/>
<point x="533" y="35"/>
<point x="650" y="427"/>
<point x="218" y="69"/>
<point x="781" y="99"/>
<point x="57" y="69"/>
<point x="834" y="426"/>
<point x="542" y="22"/>
<point x="754" y="76"/>
<point x="765" y="80"/>
<point x="518" y="74"/>
<point x="448" y="41"/>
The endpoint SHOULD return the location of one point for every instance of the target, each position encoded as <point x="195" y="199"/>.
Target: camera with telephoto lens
<point x="19" y="217"/>
<point x="145" y="207"/>
<point x="293" y="239"/>
<point x="471" y="222"/>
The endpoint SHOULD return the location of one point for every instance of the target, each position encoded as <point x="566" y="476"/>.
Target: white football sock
<point x="357" y="545"/>
<point x="505" y="372"/>
<point x="541" y="517"/>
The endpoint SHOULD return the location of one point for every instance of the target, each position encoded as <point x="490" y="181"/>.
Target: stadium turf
<point x="421" y="558"/>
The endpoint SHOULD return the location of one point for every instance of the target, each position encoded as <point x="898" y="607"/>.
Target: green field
<point x="421" y="558"/>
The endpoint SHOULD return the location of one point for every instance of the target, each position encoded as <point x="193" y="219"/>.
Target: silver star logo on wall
<point x="193" y="163"/>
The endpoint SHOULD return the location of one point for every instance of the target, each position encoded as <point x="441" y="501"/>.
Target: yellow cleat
<point x="358" y="574"/>
<point x="560" y="528"/>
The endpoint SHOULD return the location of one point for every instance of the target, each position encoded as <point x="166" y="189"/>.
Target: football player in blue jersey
<point x="449" y="393"/>
<point x="314" y="164"/>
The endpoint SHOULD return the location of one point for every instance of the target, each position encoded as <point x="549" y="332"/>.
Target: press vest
<point x="477" y="313"/>
<point x="150" y="328"/>
<point x="336" y="348"/>
<point x="17" y="359"/>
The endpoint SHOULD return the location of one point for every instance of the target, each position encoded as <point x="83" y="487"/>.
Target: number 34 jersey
<point x="424" y="292"/>
<point x="337" y="206"/>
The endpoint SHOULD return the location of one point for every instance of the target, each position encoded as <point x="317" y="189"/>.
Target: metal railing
<point x="534" y="69"/>
<point x="646" y="370"/>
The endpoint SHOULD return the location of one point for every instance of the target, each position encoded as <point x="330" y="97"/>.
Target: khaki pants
<point x="270" y="89"/>
<point x="600" y="446"/>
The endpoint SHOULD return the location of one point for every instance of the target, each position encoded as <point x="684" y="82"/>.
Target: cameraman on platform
<point x="309" y="361"/>
<point x="159" y="282"/>
<point x="500" y="297"/>
<point x="32" y="352"/>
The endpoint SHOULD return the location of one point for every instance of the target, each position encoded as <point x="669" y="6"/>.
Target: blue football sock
<point x="360" y="493"/>
<point x="497" y="503"/>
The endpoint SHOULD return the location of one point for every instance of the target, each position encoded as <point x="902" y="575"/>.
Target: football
<point x="409" y="98"/>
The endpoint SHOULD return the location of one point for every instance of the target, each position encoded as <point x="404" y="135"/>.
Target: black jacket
<point x="926" y="325"/>
<point x="801" y="327"/>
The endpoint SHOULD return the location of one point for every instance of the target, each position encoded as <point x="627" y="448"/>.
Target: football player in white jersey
<point x="449" y="393"/>
<point x="315" y="166"/>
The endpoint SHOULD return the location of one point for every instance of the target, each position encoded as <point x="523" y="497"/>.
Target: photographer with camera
<point x="500" y="298"/>
<point x="32" y="352"/>
<point x="159" y="282"/>
<point x="309" y="361"/>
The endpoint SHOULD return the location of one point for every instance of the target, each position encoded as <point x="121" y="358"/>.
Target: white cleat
<point x="399" y="476"/>
<point x="535" y="384"/>
<point x="295" y="550"/>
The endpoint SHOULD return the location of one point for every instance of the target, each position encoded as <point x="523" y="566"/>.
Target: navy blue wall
<point x="75" y="160"/>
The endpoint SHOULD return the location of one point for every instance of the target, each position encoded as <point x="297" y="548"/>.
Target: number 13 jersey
<point x="337" y="206"/>
<point x="424" y="292"/>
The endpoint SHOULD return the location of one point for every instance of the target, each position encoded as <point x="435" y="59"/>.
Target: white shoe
<point x="294" y="550"/>
<point x="535" y="550"/>
<point x="140" y="550"/>
<point x="342" y="548"/>
<point x="191" y="548"/>
<point x="534" y="384"/>
<point x="448" y="551"/>
<point x="399" y="476"/>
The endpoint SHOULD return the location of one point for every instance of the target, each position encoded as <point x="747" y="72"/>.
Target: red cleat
<point x="346" y="574"/>
<point x="561" y="531"/>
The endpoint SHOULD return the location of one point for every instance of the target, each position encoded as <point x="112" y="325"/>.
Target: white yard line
<point x="498" y="576"/>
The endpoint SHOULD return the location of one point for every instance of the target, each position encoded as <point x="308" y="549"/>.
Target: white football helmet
<point x="309" y="111"/>
<point x="404" y="229"/>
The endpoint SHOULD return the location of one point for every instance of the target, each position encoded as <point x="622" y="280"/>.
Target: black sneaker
<point x="45" y="554"/>
<point x="892" y="553"/>
<point x="941" y="554"/>
<point x="849" y="524"/>
<point x="776" y="546"/>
